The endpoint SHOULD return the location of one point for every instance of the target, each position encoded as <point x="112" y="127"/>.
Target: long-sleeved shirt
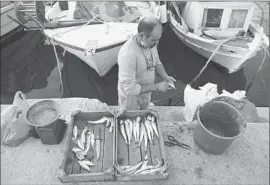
<point x="134" y="71"/>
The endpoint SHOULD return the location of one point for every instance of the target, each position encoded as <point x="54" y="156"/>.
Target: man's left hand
<point x="170" y="80"/>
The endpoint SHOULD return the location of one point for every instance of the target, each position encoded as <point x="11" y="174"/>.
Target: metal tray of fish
<point x="140" y="152"/>
<point x="89" y="154"/>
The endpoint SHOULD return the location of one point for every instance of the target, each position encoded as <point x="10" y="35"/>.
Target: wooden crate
<point x="131" y="155"/>
<point x="104" y="167"/>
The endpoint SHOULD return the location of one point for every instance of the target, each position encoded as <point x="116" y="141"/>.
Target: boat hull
<point x="102" y="61"/>
<point x="8" y="26"/>
<point x="229" y="57"/>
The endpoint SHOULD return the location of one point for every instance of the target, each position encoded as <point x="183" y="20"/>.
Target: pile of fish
<point x="108" y="120"/>
<point x="86" y="140"/>
<point x="142" y="168"/>
<point x="140" y="128"/>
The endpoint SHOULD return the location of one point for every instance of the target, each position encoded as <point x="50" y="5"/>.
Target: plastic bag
<point x="194" y="98"/>
<point x="14" y="127"/>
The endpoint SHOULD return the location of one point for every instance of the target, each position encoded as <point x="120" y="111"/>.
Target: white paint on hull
<point x="7" y="24"/>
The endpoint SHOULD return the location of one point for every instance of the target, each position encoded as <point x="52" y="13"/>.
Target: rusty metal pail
<point x="220" y="123"/>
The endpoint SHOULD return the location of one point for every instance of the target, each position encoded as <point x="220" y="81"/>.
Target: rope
<point x="259" y="69"/>
<point x="202" y="70"/>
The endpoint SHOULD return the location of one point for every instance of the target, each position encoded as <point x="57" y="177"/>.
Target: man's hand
<point x="162" y="86"/>
<point x="170" y="80"/>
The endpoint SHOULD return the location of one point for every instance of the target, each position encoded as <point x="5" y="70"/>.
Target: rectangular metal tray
<point x="104" y="167"/>
<point x="131" y="155"/>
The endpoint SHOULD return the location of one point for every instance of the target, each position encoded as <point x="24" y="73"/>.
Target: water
<point x="29" y="66"/>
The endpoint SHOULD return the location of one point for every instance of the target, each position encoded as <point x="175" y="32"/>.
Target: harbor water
<point x="30" y="66"/>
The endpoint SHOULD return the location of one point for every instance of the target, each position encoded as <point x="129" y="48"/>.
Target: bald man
<point x="138" y="60"/>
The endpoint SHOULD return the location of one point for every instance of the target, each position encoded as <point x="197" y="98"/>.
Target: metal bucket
<point x="220" y="123"/>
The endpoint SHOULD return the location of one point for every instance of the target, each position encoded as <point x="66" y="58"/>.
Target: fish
<point x="80" y="155"/>
<point x="149" y="118"/>
<point x="92" y="139"/>
<point x="138" y="120"/>
<point x="102" y="120"/>
<point x="83" y="135"/>
<point x="88" y="143"/>
<point x="134" y="130"/>
<point x="154" y="126"/>
<point x="160" y="170"/>
<point x="142" y="167"/>
<point x="126" y="122"/>
<point x="75" y="150"/>
<point x="98" y="148"/>
<point x="143" y="135"/>
<point x="148" y="130"/>
<point x="122" y="129"/>
<point x="84" y="166"/>
<point x="109" y="121"/>
<point x="132" y="169"/>
<point x="112" y="125"/>
<point x="75" y="132"/>
<point x="130" y="129"/>
<point x="89" y="163"/>
<point x="80" y="144"/>
<point x="171" y="84"/>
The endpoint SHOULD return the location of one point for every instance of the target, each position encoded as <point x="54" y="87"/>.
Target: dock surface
<point x="245" y="162"/>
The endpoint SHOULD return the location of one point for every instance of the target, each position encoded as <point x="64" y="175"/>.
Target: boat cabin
<point x="217" y="19"/>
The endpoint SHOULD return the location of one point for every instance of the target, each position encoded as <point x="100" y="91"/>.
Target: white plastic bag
<point x="194" y="98"/>
<point x="14" y="128"/>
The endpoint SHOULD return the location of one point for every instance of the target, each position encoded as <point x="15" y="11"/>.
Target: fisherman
<point x="138" y="60"/>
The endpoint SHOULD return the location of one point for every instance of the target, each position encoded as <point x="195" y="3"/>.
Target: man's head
<point x="150" y="31"/>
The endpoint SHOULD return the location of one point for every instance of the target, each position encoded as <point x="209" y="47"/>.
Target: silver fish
<point x="112" y="126"/>
<point x="75" y="132"/>
<point x="154" y="126"/>
<point x="102" y="120"/>
<point x="130" y="129"/>
<point x="134" y="130"/>
<point x="92" y="139"/>
<point x="143" y="167"/>
<point x="75" y="150"/>
<point x="132" y="169"/>
<point x="80" y="144"/>
<point x="138" y="120"/>
<point x="109" y="121"/>
<point x="83" y="136"/>
<point x="126" y="122"/>
<point x="160" y="170"/>
<point x="123" y="132"/>
<point x="88" y="143"/>
<point x="84" y="166"/>
<point x="148" y="130"/>
<point x="80" y="155"/>
<point x="143" y="135"/>
<point x="89" y="163"/>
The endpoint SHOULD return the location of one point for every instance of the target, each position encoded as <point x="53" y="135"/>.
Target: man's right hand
<point x="162" y="86"/>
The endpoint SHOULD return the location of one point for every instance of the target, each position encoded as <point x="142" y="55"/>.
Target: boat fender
<point x="163" y="12"/>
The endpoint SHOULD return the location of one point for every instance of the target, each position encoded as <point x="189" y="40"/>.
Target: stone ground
<point x="245" y="162"/>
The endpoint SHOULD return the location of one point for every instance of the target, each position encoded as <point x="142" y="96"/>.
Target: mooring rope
<point x="202" y="70"/>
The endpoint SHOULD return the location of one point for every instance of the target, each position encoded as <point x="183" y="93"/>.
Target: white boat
<point x="8" y="26"/>
<point x="202" y="26"/>
<point x="101" y="28"/>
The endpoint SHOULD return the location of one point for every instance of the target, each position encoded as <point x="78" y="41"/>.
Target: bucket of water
<point x="220" y="123"/>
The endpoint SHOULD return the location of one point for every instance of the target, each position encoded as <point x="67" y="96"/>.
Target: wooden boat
<point x="93" y="31"/>
<point x="202" y="26"/>
<point x="8" y="26"/>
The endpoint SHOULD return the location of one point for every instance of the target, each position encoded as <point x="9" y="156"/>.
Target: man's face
<point x="153" y="39"/>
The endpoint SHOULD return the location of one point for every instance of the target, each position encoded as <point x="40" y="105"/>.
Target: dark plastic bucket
<point x="220" y="123"/>
<point x="44" y="116"/>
